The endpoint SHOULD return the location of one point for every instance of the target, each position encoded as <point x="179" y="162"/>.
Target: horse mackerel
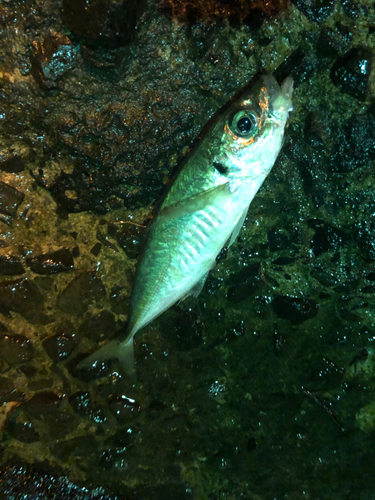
<point x="204" y="208"/>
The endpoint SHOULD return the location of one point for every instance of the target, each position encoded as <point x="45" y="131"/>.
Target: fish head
<point x="251" y="131"/>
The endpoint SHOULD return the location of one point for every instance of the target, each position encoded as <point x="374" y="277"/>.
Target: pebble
<point x="82" y="291"/>
<point x="59" y="346"/>
<point x="350" y="72"/>
<point x="10" y="199"/>
<point x="15" y="348"/>
<point x="10" y="266"/>
<point x="51" y="263"/>
<point x="13" y="165"/>
<point x="22" y="296"/>
<point x="295" y="309"/>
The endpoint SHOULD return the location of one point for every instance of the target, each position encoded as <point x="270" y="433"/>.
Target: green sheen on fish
<point x="204" y="208"/>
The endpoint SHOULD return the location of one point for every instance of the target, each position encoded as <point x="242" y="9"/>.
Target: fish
<point x="204" y="209"/>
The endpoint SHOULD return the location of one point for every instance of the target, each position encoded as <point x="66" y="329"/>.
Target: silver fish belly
<point x="205" y="208"/>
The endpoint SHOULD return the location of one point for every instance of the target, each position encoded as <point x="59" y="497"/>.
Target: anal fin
<point x="238" y="226"/>
<point x="196" y="289"/>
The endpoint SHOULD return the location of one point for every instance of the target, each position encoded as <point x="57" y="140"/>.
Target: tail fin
<point x="123" y="351"/>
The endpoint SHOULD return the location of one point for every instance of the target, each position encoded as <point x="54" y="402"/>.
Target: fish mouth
<point x="287" y="90"/>
<point x="281" y="102"/>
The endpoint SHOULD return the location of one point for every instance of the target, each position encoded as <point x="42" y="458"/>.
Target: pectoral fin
<point x="238" y="226"/>
<point x="192" y="204"/>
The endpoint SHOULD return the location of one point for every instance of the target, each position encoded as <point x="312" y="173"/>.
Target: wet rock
<point x="82" y="404"/>
<point x="326" y="237"/>
<point x="120" y="300"/>
<point x="351" y="8"/>
<point x="115" y="453"/>
<point x="126" y="409"/>
<point x="98" y="370"/>
<point x="42" y="403"/>
<point x="24" y="431"/>
<point x="102" y="239"/>
<point x="107" y="23"/>
<point x="278" y="240"/>
<point x="349" y="315"/>
<point x="13" y="165"/>
<point x="360" y="357"/>
<point x="299" y="65"/>
<point x="325" y="277"/>
<point x="6" y="387"/>
<point x="349" y="286"/>
<point x="350" y="72"/>
<point x="313" y="172"/>
<point x="245" y="283"/>
<point x="195" y="11"/>
<point x="59" y="422"/>
<point x="327" y="44"/>
<point x="10" y="198"/>
<point x="315" y="10"/>
<point x="284" y="261"/>
<point x="100" y="327"/>
<point x="295" y="309"/>
<point x="51" y="263"/>
<point x="40" y="384"/>
<point x="366" y="242"/>
<point x="15" y="348"/>
<point x="7" y="411"/>
<point x="236" y="331"/>
<point x="129" y="238"/>
<point x="10" y="266"/>
<point x="355" y="145"/>
<point x="82" y="291"/>
<point x="22" y="296"/>
<point x="53" y="55"/>
<point x="35" y="483"/>
<point x="44" y="282"/>
<point x="96" y="249"/>
<point x="78" y="192"/>
<point x="185" y="331"/>
<point x="59" y="346"/>
<point x="78" y="447"/>
<point x="314" y="129"/>
<point x="114" y="458"/>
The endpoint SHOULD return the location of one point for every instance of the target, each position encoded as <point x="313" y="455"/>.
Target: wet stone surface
<point x="15" y="348"/>
<point x="51" y="263"/>
<point x="263" y="386"/>
<point x="351" y="72"/>
<point x="59" y="346"/>
<point x="10" y="198"/>
<point x="10" y="266"/>
<point x="80" y="293"/>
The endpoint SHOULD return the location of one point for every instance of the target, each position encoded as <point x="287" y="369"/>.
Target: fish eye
<point x="244" y="123"/>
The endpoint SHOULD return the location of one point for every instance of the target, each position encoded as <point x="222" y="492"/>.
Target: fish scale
<point x="204" y="208"/>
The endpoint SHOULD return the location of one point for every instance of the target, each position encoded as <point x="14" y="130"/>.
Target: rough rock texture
<point x="263" y="386"/>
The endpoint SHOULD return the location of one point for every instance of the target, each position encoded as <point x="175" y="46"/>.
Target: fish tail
<point x="116" y="349"/>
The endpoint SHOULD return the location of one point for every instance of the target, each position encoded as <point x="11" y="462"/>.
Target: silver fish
<point x="204" y="208"/>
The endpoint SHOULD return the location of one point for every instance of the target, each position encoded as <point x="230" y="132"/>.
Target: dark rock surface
<point x="10" y="266"/>
<point x="59" y="346"/>
<point x="10" y="198"/>
<point x="51" y="263"/>
<point x="80" y="293"/>
<point x="351" y="72"/>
